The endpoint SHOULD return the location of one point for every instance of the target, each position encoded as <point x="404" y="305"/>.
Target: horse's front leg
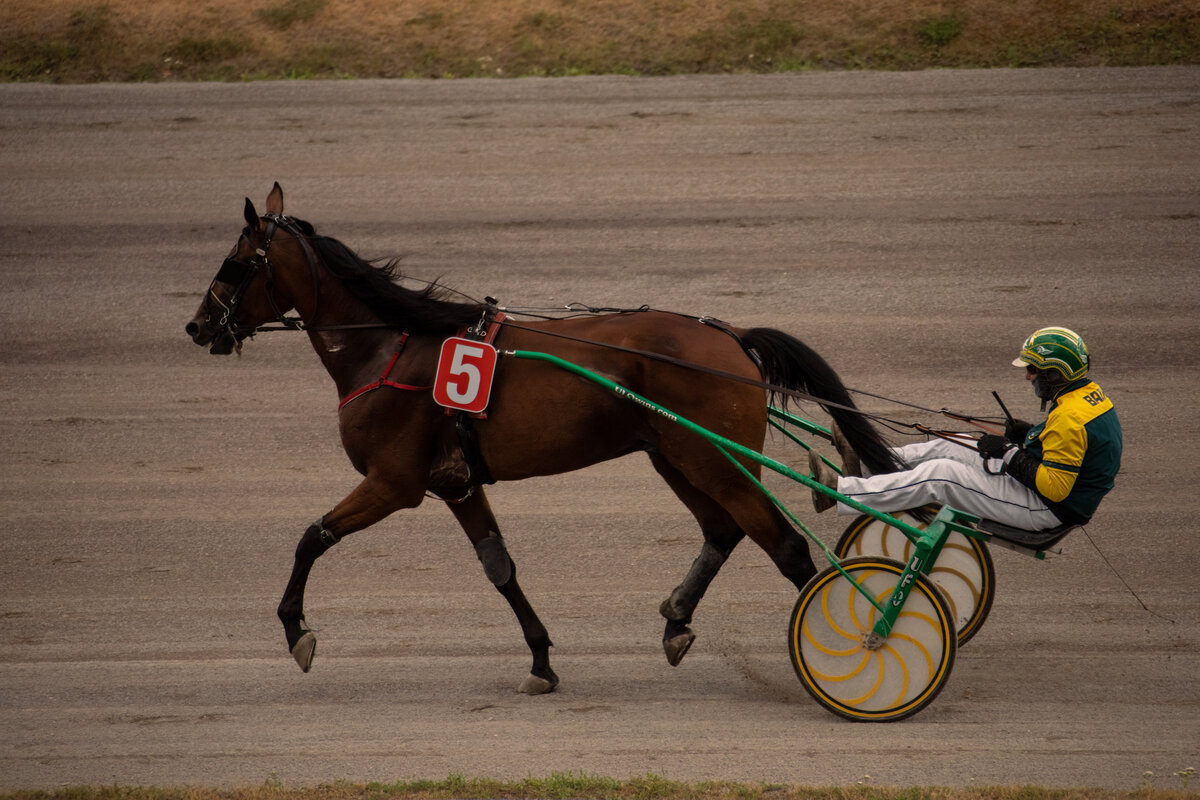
<point x="474" y="514"/>
<point x="363" y="507"/>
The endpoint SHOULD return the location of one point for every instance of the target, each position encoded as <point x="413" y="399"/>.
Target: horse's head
<point x="256" y="283"/>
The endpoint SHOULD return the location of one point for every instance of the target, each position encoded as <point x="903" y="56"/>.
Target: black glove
<point x="1015" y="430"/>
<point x="1024" y="468"/>
<point x="992" y="446"/>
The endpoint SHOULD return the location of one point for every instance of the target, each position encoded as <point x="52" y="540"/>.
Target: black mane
<point x="420" y="311"/>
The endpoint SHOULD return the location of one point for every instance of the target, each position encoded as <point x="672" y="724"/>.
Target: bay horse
<point x="380" y="342"/>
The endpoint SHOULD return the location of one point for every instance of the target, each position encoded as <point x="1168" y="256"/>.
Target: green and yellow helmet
<point x="1059" y="349"/>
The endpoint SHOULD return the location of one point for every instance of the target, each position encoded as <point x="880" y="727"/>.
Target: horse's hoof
<point x="536" y="685"/>
<point x="676" y="647"/>
<point x="304" y="649"/>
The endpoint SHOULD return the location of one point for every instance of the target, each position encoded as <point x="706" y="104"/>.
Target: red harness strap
<point x="384" y="381"/>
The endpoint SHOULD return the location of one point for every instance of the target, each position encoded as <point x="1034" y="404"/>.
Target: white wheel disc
<point x="963" y="572"/>
<point x="826" y="640"/>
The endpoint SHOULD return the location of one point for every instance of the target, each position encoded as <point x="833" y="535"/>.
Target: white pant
<point x="949" y="474"/>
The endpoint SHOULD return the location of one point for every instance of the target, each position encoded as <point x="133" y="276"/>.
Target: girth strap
<point x="468" y="442"/>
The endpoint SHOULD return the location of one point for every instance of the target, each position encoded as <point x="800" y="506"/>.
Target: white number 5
<point x="459" y="368"/>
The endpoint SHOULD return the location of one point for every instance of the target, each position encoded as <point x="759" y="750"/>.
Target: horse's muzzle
<point x="220" y="341"/>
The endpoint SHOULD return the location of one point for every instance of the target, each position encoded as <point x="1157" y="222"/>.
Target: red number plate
<point x="464" y="375"/>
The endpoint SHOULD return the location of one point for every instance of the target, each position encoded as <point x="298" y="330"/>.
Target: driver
<point x="1033" y="477"/>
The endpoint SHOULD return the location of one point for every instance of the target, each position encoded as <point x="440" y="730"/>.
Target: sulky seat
<point x="1033" y="540"/>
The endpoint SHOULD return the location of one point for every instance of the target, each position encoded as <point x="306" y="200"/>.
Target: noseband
<point x="239" y="274"/>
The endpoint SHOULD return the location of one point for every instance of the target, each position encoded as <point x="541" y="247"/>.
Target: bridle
<point x="239" y="274"/>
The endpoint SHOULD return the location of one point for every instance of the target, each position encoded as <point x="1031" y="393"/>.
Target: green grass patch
<point x="939" y="31"/>
<point x="572" y="786"/>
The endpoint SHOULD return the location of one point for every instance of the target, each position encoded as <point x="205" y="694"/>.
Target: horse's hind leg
<point x="770" y="530"/>
<point x="750" y="509"/>
<point x="721" y="535"/>
<point x="475" y="516"/>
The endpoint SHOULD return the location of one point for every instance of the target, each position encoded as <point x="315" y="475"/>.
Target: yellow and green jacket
<point x="1077" y="451"/>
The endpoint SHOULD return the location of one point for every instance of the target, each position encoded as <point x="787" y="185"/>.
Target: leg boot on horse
<point x="475" y="516"/>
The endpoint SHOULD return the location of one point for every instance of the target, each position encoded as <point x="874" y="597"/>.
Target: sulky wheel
<point x="827" y="641"/>
<point x="964" y="570"/>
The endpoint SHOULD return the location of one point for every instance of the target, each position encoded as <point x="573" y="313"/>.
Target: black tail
<point x="790" y="363"/>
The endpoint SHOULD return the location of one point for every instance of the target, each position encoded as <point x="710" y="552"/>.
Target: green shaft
<point x="716" y="439"/>
<point x="730" y="448"/>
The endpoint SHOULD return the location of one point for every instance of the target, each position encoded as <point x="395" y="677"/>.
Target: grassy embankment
<point x="77" y="41"/>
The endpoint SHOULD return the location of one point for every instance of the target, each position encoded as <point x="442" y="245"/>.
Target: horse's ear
<point x="251" y="215"/>
<point x="275" y="200"/>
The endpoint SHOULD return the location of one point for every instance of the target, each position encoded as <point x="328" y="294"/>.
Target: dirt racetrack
<point x="912" y="227"/>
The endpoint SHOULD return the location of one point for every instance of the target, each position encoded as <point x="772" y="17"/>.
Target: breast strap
<point x="384" y="380"/>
